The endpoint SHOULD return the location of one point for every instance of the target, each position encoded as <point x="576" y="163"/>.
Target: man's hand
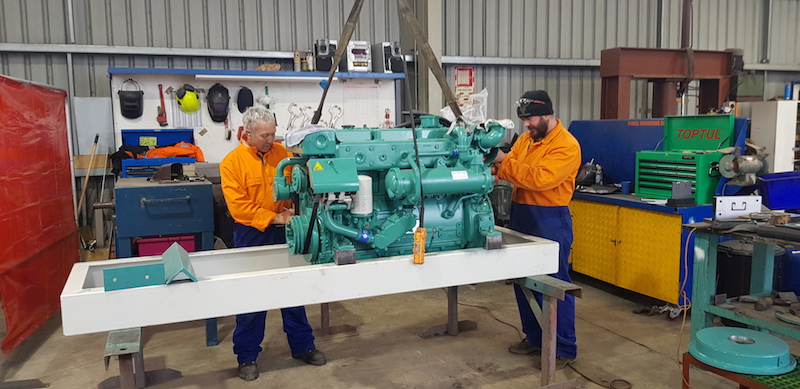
<point x="500" y="156"/>
<point x="283" y="217"/>
<point x="494" y="173"/>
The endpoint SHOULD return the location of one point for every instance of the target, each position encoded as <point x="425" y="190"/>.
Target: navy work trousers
<point x="554" y="223"/>
<point x="249" y="332"/>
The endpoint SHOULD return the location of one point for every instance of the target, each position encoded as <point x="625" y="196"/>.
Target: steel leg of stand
<point x="552" y="290"/>
<point x="325" y="327"/>
<point x="212" y="338"/>
<point x="453" y="325"/>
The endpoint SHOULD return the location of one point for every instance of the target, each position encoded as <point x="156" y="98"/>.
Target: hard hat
<point x="187" y="99"/>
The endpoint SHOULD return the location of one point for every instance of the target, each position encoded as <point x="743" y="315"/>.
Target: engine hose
<point x="311" y="222"/>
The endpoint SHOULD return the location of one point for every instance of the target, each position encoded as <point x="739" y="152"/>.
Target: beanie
<point x="534" y="103"/>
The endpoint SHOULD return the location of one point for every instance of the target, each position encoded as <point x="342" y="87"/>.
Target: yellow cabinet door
<point x="649" y="252"/>
<point x="594" y="249"/>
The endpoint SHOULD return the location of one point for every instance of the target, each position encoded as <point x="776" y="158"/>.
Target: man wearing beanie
<point x="542" y="165"/>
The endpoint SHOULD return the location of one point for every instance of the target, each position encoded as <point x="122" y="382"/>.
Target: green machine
<point x="690" y="154"/>
<point x="357" y="191"/>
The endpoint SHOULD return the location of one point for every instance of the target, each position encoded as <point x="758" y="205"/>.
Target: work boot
<point x="523" y="347"/>
<point x="311" y="357"/>
<point x="560" y="362"/>
<point x="248" y="371"/>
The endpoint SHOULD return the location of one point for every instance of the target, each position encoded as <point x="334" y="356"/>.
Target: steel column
<point x="615" y="99"/>
<point x="713" y="93"/>
<point x="664" y="99"/>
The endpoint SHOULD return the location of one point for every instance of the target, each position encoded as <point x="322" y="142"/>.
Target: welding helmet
<point x="218" y="100"/>
<point x="187" y="99"/>
<point x="244" y="99"/>
<point x="131" y="102"/>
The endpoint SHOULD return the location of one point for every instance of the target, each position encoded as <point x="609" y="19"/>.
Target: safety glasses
<point x="523" y="102"/>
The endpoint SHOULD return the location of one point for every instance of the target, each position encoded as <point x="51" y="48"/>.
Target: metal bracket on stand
<point x="127" y="345"/>
<point x="552" y="290"/>
<point x="176" y="261"/>
<point x="326" y="329"/>
<point x="453" y="326"/>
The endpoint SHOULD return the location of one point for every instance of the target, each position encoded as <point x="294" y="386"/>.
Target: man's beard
<point x="538" y="131"/>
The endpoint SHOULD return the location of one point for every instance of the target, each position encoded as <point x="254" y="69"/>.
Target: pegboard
<point x="362" y="97"/>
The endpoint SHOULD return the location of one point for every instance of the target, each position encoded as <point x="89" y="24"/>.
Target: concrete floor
<point x="387" y="352"/>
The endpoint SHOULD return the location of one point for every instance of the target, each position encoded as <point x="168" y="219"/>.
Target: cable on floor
<point x="682" y="297"/>
<point x="489" y="311"/>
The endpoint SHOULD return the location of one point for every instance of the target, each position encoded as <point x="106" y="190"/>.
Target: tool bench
<point x="635" y="245"/>
<point x="761" y="284"/>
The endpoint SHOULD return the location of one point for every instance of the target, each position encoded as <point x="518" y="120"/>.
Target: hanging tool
<point x="336" y="113"/>
<point x="228" y="130"/>
<point x="88" y="174"/>
<point x="295" y="112"/>
<point x="308" y="114"/>
<point x="162" y="110"/>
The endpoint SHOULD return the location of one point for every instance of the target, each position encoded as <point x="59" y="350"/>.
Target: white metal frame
<point x="262" y="278"/>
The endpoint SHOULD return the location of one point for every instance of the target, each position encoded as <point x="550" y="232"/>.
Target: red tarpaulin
<point x="38" y="235"/>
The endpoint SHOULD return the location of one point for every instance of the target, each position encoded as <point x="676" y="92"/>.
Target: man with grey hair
<point x="247" y="175"/>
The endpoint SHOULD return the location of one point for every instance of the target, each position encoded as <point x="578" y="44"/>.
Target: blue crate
<point x="780" y="190"/>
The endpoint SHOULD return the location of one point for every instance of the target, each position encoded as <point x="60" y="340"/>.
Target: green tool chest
<point x="690" y="155"/>
<point x="657" y="170"/>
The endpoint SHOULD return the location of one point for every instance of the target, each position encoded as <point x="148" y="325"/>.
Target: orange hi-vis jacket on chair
<point x="543" y="173"/>
<point x="247" y="178"/>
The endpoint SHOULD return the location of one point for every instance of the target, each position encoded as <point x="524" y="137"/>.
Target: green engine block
<point x="357" y="191"/>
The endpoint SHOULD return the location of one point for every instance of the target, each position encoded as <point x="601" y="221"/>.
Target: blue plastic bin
<point x="788" y="272"/>
<point x="781" y="190"/>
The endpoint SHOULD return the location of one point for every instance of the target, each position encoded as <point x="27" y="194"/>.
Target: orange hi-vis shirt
<point x="247" y="178"/>
<point x="543" y="173"/>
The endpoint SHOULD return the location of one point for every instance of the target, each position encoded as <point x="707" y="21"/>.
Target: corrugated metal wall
<point x="541" y="29"/>
<point x="280" y="25"/>
<point x="277" y="25"/>
<point x="574" y="90"/>
<point x="576" y="29"/>
<point x="580" y="29"/>
<point x="785" y="32"/>
<point x="718" y="25"/>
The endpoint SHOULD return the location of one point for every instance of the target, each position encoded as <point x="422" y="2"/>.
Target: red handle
<point x="161" y="94"/>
